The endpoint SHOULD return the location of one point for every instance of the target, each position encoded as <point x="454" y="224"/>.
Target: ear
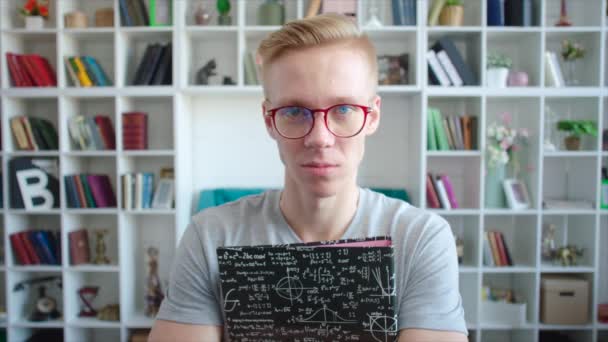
<point x="373" y="118"/>
<point x="268" y="119"/>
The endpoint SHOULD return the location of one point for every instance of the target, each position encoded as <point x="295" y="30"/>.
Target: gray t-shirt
<point x="426" y="264"/>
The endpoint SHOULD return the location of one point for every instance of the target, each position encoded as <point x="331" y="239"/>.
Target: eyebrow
<point x="299" y="102"/>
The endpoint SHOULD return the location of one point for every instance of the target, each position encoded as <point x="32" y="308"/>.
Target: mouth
<point x="315" y="165"/>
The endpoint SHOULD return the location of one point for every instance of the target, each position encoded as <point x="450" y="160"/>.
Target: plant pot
<point x="452" y="16"/>
<point x="34" y="22"/>
<point x="517" y="79"/>
<point x="572" y="143"/>
<point x="497" y="77"/>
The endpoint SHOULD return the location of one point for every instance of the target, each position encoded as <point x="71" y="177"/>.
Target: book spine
<point x="449" y="68"/>
<point x="443" y="196"/>
<point x="447" y="184"/>
<point x="436" y="70"/>
<point x="19" y="252"/>
<point x="431" y="194"/>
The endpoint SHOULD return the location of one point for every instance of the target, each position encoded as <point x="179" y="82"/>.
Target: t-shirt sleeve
<point x="431" y="298"/>
<point x="190" y="297"/>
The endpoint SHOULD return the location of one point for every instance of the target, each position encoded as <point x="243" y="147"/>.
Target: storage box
<point x="501" y="313"/>
<point x="75" y="19"/>
<point x="104" y="17"/>
<point x="564" y="300"/>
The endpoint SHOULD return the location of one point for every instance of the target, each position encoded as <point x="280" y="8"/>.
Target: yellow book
<point x="83" y="77"/>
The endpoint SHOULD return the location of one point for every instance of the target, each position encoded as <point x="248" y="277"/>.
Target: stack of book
<point x="440" y="192"/>
<point x="145" y="12"/>
<point x="450" y="132"/>
<point x="137" y="190"/>
<point x="79" y="247"/>
<point x="89" y="191"/>
<point x="32" y="133"/>
<point x="36" y="247"/>
<point x="446" y="66"/>
<point x="495" y="250"/>
<point x="85" y="71"/>
<point x="30" y="70"/>
<point x="511" y="12"/>
<point x="95" y="133"/>
<point x="135" y="131"/>
<point x="155" y="66"/>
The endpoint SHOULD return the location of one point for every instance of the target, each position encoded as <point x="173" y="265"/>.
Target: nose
<point x="319" y="136"/>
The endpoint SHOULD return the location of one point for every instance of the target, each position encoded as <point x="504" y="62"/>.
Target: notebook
<point x="342" y="290"/>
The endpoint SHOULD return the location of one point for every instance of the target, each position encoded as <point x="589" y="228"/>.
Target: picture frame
<point x="163" y="196"/>
<point x="516" y="193"/>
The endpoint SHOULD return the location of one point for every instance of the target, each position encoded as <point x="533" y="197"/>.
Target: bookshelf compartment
<point x="89" y="107"/>
<point x="579" y="108"/>
<point x="106" y="284"/>
<point x="25" y="333"/>
<point x="384" y="12"/>
<point x="396" y="43"/>
<point x="192" y="6"/>
<point x="143" y="164"/>
<point x="22" y="302"/>
<point x="519" y="233"/>
<point x="464" y="174"/>
<point x="468" y="45"/>
<point x="469" y="291"/>
<point x="580" y="13"/>
<point x="466" y="228"/>
<point x="200" y="48"/>
<point x="12" y="19"/>
<point x="459" y="106"/>
<point x="521" y="48"/>
<point x="397" y="135"/>
<point x="38" y="107"/>
<point x="522" y="287"/>
<point x="587" y="67"/>
<point x="159" y="111"/>
<point x="99" y="46"/>
<point x="576" y="230"/>
<point x="138" y="233"/>
<point x="134" y="45"/>
<point x="571" y="335"/>
<point x="87" y="165"/>
<point x="43" y="44"/>
<point x="85" y="7"/>
<point x="251" y="9"/>
<point x="92" y="223"/>
<point x="27" y="223"/>
<point x="571" y="179"/>
<point x="92" y="335"/>
<point x="504" y="335"/>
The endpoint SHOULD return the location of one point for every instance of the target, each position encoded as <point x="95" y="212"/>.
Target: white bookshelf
<point x="212" y="134"/>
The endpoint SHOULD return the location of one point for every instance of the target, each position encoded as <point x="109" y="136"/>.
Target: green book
<point x="442" y="138"/>
<point x="50" y="134"/>
<point x="87" y="191"/>
<point x="431" y="139"/>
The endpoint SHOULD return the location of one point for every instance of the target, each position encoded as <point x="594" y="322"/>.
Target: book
<point x="462" y="68"/>
<point x="449" y="190"/>
<point x="553" y="73"/>
<point x="495" y="13"/>
<point x="443" y="195"/>
<point x="432" y="198"/>
<point x="437" y="75"/>
<point x="435" y="11"/>
<point x="449" y="68"/>
<point x="135" y="130"/>
<point x="431" y="135"/>
<point x="289" y="292"/>
<point x="79" y="247"/>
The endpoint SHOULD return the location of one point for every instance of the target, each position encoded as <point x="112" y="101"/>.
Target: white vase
<point x="497" y="77"/>
<point x="34" y="22"/>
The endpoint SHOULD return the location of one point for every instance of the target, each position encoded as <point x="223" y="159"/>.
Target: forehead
<point x="319" y="76"/>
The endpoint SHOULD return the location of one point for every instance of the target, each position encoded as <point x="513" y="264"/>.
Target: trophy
<point x="100" y="247"/>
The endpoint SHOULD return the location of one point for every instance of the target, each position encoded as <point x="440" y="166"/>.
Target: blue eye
<point x="344" y="109"/>
<point x="294" y="113"/>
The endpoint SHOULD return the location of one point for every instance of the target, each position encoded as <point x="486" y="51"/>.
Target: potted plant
<point x="571" y="53"/>
<point x="35" y="12"/>
<point x="452" y="13"/>
<point x="575" y="129"/>
<point x="498" y="66"/>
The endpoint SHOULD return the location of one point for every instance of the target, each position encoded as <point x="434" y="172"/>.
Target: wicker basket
<point x="452" y="16"/>
<point x="75" y="19"/>
<point x="104" y="17"/>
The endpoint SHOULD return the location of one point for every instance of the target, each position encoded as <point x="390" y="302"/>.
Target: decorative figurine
<point x="87" y="294"/>
<point x="110" y="312"/>
<point x="154" y="293"/>
<point x="208" y="70"/>
<point x="223" y="7"/>
<point x="563" y="16"/>
<point x="548" y="241"/>
<point x="228" y="81"/>
<point x="100" y="247"/>
<point x="373" y="21"/>
<point x="568" y="255"/>
<point x="202" y="15"/>
<point x="45" y="307"/>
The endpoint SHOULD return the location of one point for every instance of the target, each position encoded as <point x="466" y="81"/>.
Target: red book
<point x="79" y="247"/>
<point x="29" y="248"/>
<point x="16" y="77"/>
<point x="431" y="194"/>
<point x="80" y="190"/>
<point x="48" y="68"/>
<point x="102" y="191"/>
<point x="501" y="249"/>
<point x="31" y="70"/>
<point x="135" y="130"/>
<point x="106" y="131"/>
<point x="41" y="69"/>
<point x="506" y="249"/>
<point x="19" y="250"/>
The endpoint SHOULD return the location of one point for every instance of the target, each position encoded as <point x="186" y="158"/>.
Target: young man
<point x="319" y="78"/>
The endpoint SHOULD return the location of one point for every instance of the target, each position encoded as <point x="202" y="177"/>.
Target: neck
<point x="315" y="218"/>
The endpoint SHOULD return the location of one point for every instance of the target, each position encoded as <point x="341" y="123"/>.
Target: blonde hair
<point x="324" y="29"/>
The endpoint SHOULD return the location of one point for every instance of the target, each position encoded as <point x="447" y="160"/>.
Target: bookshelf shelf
<point x="187" y="130"/>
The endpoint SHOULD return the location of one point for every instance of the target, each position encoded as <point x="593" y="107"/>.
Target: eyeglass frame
<point x="366" y="110"/>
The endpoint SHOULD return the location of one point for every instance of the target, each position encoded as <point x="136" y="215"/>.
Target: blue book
<point x="397" y="12"/>
<point x="31" y="236"/>
<point x="148" y="186"/>
<point x="98" y="70"/>
<point x="494" y="9"/>
<point x="50" y="237"/>
<point x="124" y="14"/>
<point x="90" y="73"/>
<point x="45" y="247"/>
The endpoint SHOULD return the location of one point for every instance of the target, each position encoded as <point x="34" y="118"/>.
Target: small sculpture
<point x="87" y="294"/>
<point x="154" y="293"/>
<point x="202" y="15"/>
<point x="563" y="16"/>
<point x="110" y="312"/>
<point x="548" y="241"/>
<point x="567" y="255"/>
<point x="228" y="81"/>
<point x="208" y="70"/>
<point x="100" y="247"/>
